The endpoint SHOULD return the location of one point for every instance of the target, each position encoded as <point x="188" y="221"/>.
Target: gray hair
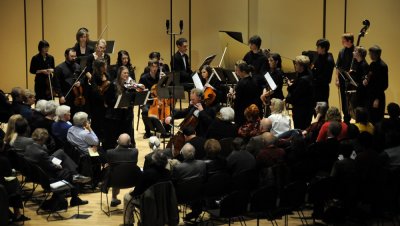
<point x="227" y="114"/>
<point x="80" y="118"/>
<point x="27" y="93"/>
<point x="62" y="110"/>
<point x="50" y="107"/>
<point x="188" y="151"/>
<point x="40" y="106"/>
<point x="154" y="143"/>
<point x="197" y="92"/>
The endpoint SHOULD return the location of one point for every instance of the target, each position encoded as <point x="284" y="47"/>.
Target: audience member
<point x="280" y="122"/>
<point x="223" y="126"/>
<point x="333" y="114"/>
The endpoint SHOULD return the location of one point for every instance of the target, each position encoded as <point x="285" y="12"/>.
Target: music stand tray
<point x="141" y="98"/>
<point x="124" y="100"/>
<point x="207" y="61"/>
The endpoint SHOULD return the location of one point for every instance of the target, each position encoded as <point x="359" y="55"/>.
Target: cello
<point x="160" y="108"/>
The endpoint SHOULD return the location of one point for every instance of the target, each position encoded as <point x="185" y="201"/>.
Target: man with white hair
<point x="223" y="126"/>
<point x="62" y="124"/>
<point x="256" y="143"/>
<point x="81" y="134"/>
<point x="123" y="153"/>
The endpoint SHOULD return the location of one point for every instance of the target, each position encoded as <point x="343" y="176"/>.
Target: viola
<point x="79" y="99"/>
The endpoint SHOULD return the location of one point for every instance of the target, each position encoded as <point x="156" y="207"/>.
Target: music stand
<point x="207" y="61"/>
<point x="231" y="77"/>
<point x="125" y="100"/>
<point x="220" y="73"/>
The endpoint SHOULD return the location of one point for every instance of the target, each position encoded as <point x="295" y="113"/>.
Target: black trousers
<point x="302" y="117"/>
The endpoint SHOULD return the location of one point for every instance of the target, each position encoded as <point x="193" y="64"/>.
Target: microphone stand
<point x="172" y="95"/>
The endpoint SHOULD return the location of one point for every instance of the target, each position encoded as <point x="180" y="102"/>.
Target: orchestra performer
<point x="65" y="77"/>
<point x="42" y="65"/>
<point x="376" y="83"/>
<point x="301" y="93"/>
<point x="358" y="73"/>
<point x="247" y="91"/>
<point x="157" y="56"/>
<point x="82" y="47"/>
<point x="343" y="63"/>
<point x="322" y="70"/>
<point x="118" y="120"/>
<point x="256" y="56"/>
<point x="214" y="83"/>
<point x="99" y="53"/>
<point x="123" y="60"/>
<point x="181" y="63"/>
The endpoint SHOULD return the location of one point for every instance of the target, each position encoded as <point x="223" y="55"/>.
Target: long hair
<point x="120" y="55"/>
<point x="118" y="82"/>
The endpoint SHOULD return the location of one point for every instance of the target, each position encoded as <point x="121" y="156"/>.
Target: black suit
<point x="221" y="129"/>
<point x="181" y="63"/>
<point x="122" y="155"/>
<point x="38" y="154"/>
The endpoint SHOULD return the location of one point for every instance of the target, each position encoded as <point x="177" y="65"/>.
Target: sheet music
<point x="93" y="152"/>
<point x="197" y="82"/>
<point x="270" y="81"/>
<point x="56" y="161"/>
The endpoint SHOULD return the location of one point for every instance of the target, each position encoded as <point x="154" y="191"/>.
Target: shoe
<point x="146" y="136"/>
<point x="80" y="179"/>
<point x="77" y="202"/>
<point x="115" y="202"/>
<point x="20" y="218"/>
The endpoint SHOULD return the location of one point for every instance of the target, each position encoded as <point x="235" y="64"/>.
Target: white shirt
<point x="280" y="124"/>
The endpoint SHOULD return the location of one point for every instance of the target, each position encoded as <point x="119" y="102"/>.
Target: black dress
<point x="38" y="62"/>
<point x="247" y="93"/>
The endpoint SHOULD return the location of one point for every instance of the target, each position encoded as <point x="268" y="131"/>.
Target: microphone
<point x="181" y="26"/>
<point x="167" y="25"/>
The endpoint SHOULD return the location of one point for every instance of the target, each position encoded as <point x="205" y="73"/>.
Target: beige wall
<point x="286" y="26"/>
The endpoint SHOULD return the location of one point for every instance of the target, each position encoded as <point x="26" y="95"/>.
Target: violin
<point x="105" y="84"/>
<point x="79" y="99"/>
<point x="131" y="84"/>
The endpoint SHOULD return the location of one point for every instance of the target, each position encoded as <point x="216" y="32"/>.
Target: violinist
<point x="95" y="87"/>
<point x="359" y="71"/>
<point x="117" y="120"/>
<point x="81" y="47"/>
<point x="198" y="109"/>
<point x="322" y="70"/>
<point x="343" y="63"/>
<point x="212" y="83"/>
<point x="42" y="65"/>
<point x="123" y="60"/>
<point x="148" y="80"/>
<point x="275" y="70"/>
<point x="99" y="53"/>
<point x="376" y="83"/>
<point x="246" y="93"/>
<point x="65" y="76"/>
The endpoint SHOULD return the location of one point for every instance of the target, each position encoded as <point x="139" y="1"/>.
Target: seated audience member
<point x="13" y="189"/>
<point x="388" y="126"/>
<point x="269" y="155"/>
<point x="154" y="144"/>
<point x="196" y="141"/>
<point x="11" y="134"/>
<point x="311" y="133"/>
<point x="38" y="112"/>
<point x="28" y="99"/>
<point x="252" y="125"/>
<point x="333" y="114"/>
<point x="256" y="143"/>
<point x="223" y="125"/>
<point x="17" y="100"/>
<point x="214" y="161"/>
<point x="123" y="153"/>
<point x="81" y="135"/>
<point x="22" y="140"/>
<point x="155" y="173"/>
<point x="280" y="122"/>
<point x="325" y="153"/>
<point x="362" y="121"/>
<point x="190" y="168"/>
<point x="67" y="170"/>
<point x="239" y="160"/>
<point x="62" y="124"/>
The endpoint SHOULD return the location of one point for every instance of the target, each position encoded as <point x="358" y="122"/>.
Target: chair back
<point x="217" y="185"/>
<point x="263" y="199"/>
<point x="189" y="190"/>
<point x="226" y="146"/>
<point x="3" y="206"/>
<point x="25" y="168"/>
<point x="39" y="176"/>
<point x="123" y="175"/>
<point x="246" y="180"/>
<point x="293" y="195"/>
<point x="234" y="204"/>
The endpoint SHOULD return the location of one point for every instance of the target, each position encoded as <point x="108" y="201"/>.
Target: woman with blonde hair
<point x="11" y="135"/>
<point x="280" y="122"/>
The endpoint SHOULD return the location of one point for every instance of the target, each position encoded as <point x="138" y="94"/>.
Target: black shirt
<point x="90" y="61"/>
<point x="247" y="93"/>
<point x="89" y="50"/>
<point x="323" y="68"/>
<point x="301" y="93"/>
<point x="277" y="76"/>
<point x="344" y="59"/>
<point x="148" y="81"/>
<point x="39" y="62"/>
<point x="378" y="79"/>
<point x="258" y="61"/>
<point x="65" y="75"/>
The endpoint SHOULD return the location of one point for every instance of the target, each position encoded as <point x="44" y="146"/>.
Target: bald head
<point x="265" y="125"/>
<point x="124" y="139"/>
<point x="268" y="139"/>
